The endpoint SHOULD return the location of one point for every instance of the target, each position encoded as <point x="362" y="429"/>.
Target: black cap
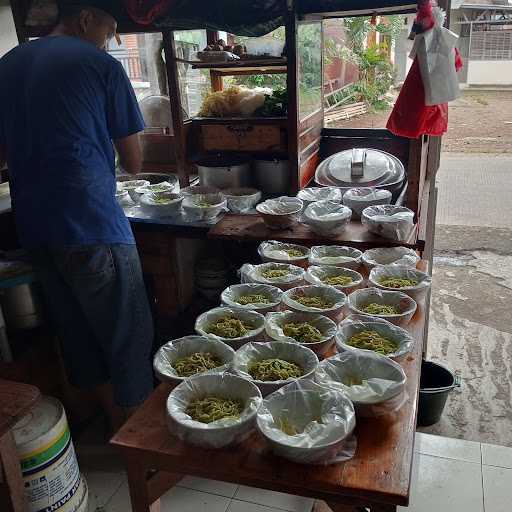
<point x="111" y="7"/>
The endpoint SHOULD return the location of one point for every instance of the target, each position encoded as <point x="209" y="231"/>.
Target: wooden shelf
<point x="281" y="121"/>
<point x="244" y="67"/>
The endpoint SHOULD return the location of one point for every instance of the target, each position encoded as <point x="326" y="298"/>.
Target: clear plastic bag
<point x="176" y="349"/>
<point x="316" y="275"/>
<point x="327" y="293"/>
<point x="220" y="433"/>
<point x="355" y="324"/>
<point x="281" y="213"/>
<point x="358" y="299"/>
<point x="310" y="195"/>
<point x="204" y="321"/>
<point x="291" y="352"/>
<point x="416" y="292"/>
<point x="195" y="209"/>
<point x="357" y="199"/>
<point x="335" y="255"/>
<point x="230" y="295"/>
<point x="241" y="200"/>
<point x="308" y="423"/>
<point x="274" y="251"/>
<point x="366" y="378"/>
<point x="253" y="274"/>
<point x="274" y="323"/>
<point x="327" y="218"/>
<point x="388" y="221"/>
<point x="390" y="255"/>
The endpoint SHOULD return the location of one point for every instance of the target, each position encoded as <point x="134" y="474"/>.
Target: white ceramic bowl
<point x="241" y="200"/>
<point x="172" y="207"/>
<point x="335" y="255"/>
<point x="230" y="295"/>
<point x="328" y="293"/>
<point x="417" y="292"/>
<point x="219" y="433"/>
<point x="179" y="348"/>
<point x="194" y="211"/>
<point x="388" y="255"/>
<point x="357" y="199"/>
<point x="280" y="213"/>
<point x="250" y="353"/>
<point x="316" y="274"/>
<point x="311" y="195"/>
<point x="327" y="218"/>
<point x="254" y="274"/>
<point x="256" y="320"/>
<point x="388" y="221"/>
<point x="365" y="296"/>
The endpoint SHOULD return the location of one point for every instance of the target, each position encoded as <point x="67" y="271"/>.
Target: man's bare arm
<point x="130" y="154"/>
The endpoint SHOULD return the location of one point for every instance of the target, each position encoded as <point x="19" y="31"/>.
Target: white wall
<point x="8" y="39"/>
<point x="490" y="72"/>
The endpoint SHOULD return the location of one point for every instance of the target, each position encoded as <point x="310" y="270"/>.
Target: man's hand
<point x="130" y="154"/>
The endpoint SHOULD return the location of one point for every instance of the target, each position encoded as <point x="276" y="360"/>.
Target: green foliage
<point x="276" y="104"/>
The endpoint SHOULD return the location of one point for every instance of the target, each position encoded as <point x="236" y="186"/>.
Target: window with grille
<point x="491" y="45"/>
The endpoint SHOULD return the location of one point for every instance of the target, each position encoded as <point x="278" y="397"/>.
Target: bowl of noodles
<point x="281" y="252"/>
<point x="262" y="298"/>
<point x="282" y="275"/>
<point x="213" y="410"/>
<point x="315" y="300"/>
<point x="410" y="281"/>
<point x="394" y="306"/>
<point x="345" y="280"/>
<point x="273" y="365"/>
<point x="308" y="423"/>
<point x="185" y="357"/>
<point x="235" y="327"/>
<point x="314" y="331"/>
<point x="375" y="334"/>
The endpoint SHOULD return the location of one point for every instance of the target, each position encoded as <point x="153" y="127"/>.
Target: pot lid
<point x="361" y="167"/>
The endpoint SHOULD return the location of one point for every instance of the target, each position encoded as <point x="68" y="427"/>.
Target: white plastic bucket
<point x="50" y="470"/>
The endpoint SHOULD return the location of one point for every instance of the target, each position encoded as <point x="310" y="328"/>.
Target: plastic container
<point x="316" y="275"/>
<point x="48" y="460"/>
<point x="274" y="251"/>
<point x="436" y="383"/>
<point x="291" y="352"/>
<point x="360" y="298"/>
<point x="335" y="255"/>
<point x="327" y="293"/>
<point x="390" y="255"/>
<point x="327" y="218"/>
<point x="230" y="295"/>
<point x="416" y="292"/>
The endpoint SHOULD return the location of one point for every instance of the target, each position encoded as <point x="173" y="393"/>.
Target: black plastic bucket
<point x="435" y="384"/>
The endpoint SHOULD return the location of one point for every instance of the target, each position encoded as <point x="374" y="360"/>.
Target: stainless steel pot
<point x="224" y="172"/>
<point x="21" y="306"/>
<point x="272" y="176"/>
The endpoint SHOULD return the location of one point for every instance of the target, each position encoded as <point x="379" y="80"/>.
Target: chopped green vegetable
<point x="275" y="273"/>
<point x="352" y="380"/>
<point x="229" y="327"/>
<point x="244" y="300"/>
<point x="313" y="302"/>
<point x="274" y="369"/>
<point x="294" y="253"/>
<point x="162" y="200"/>
<point x="196" y="363"/>
<point x="395" y="282"/>
<point x="303" y="332"/>
<point x="213" y="408"/>
<point x="276" y="105"/>
<point x="380" y="309"/>
<point x="203" y="204"/>
<point x="372" y="340"/>
<point x="337" y="280"/>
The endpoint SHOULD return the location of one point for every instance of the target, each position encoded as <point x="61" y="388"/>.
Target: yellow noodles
<point x="294" y="253"/>
<point x="229" y="327"/>
<point x="195" y="363"/>
<point x="380" y="309"/>
<point x="337" y="280"/>
<point x="244" y="300"/>
<point x="302" y="332"/>
<point x="372" y="340"/>
<point x="213" y="408"/>
<point x="395" y="282"/>
<point x="313" y="302"/>
<point x="274" y="369"/>
<point x="275" y="273"/>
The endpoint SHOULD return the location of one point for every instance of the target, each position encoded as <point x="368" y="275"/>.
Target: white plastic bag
<point x="390" y="255"/>
<point x="357" y="199"/>
<point x="173" y="350"/>
<point x="316" y="275"/>
<point x="274" y="323"/>
<point x="388" y="221"/>
<point x="241" y="200"/>
<point x="230" y="295"/>
<point x="416" y="292"/>
<point x="194" y="212"/>
<point x="253" y="274"/>
<point x="327" y="293"/>
<point x="327" y="218"/>
<point x="366" y="378"/>
<point x="274" y="251"/>
<point x="335" y="255"/>
<point x="220" y="433"/>
<point x="310" y="195"/>
<point x="358" y="299"/>
<point x="435" y="49"/>
<point x="318" y="421"/>
<point x="355" y="324"/>
<point x="251" y="353"/>
<point x="204" y="321"/>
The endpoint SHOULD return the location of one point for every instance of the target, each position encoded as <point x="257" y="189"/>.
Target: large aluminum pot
<point x="224" y="172"/>
<point x="22" y="307"/>
<point x="272" y="176"/>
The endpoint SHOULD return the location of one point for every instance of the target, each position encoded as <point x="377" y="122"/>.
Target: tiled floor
<point x="448" y="475"/>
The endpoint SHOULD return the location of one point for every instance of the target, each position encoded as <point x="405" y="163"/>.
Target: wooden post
<point x="176" y="107"/>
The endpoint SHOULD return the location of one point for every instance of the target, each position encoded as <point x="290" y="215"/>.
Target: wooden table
<point x="252" y="228"/>
<point x="16" y="400"/>
<point x="377" y="477"/>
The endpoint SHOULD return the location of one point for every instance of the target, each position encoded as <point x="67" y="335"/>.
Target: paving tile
<point x="179" y="499"/>
<point x="494" y="455"/>
<point x="445" y="485"/>
<point x="212" y="486"/>
<point x="497" y="489"/>
<point x="244" y="506"/>
<point x="447" y="447"/>
<point x="102" y="486"/>
<point x="274" y="499"/>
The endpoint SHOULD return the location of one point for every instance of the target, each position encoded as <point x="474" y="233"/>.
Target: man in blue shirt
<point x="64" y="104"/>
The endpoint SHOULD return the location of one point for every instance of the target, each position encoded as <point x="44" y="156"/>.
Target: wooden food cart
<point x="379" y="475"/>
